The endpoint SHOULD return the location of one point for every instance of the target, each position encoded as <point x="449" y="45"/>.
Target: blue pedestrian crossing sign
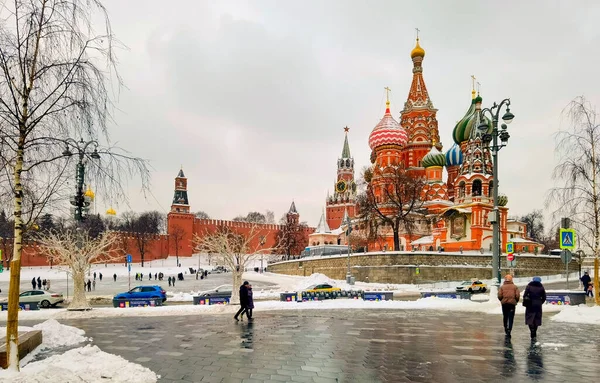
<point x="128" y="258"/>
<point x="510" y="248"/>
<point x="567" y="239"/>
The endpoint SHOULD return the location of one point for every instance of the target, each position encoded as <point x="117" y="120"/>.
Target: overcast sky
<point x="251" y="97"/>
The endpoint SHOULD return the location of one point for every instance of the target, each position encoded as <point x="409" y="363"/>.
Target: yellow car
<point x="323" y="288"/>
<point x="472" y="286"/>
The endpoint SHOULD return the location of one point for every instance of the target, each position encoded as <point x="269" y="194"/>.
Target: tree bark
<point x="237" y="282"/>
<point x="396" y="230"/>
<point x="79" y="301"/>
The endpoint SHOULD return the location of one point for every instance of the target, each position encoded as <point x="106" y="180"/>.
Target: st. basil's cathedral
<point x="455" y="212"/>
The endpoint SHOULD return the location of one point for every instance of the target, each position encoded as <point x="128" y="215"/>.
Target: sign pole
<point x="567" y="268"/>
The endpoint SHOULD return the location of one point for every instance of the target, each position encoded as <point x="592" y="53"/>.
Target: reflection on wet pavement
<point x="349" y="346"/>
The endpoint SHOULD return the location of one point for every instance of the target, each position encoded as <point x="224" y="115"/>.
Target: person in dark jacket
<point x="508" y="295"/>
<point x="115" y="277"/>
<point x="33" y="283"/>
<point x="587" y="281"/>
<point x="243" y="300"/>
<point x="533" y="299"/>
<point x="39" y="283"/>
<point x="250" y="302"/>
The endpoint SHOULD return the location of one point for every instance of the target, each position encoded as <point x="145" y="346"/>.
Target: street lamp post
<point x="494" y="112"/>
<point x="81" y="147"/>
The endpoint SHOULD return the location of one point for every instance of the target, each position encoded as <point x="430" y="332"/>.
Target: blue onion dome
<point x="454" y="156"/>
<point x="433" y="158"/>
<point x="469" y="123"/>
<point x="502" y="200"/>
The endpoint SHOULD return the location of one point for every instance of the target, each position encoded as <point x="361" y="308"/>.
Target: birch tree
<point x="78" y="251"/>
<point x="577" y="192"/>
<point x="234" y="250"/>
<point x="56" y="77"/>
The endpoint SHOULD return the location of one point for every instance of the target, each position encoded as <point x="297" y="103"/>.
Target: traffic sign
<point x="128" y="258"/>
<point x="567" y="239"/>
<point x="566" y="256"/>
<point x="510" y="257"/>
<point x="510" y="247"/>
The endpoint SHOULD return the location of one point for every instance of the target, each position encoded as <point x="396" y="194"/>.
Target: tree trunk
<point x="396" y="238"/>
<point x="12" y="322"/>
<point x="79" y="301"/>
<point x="237" y="282"/>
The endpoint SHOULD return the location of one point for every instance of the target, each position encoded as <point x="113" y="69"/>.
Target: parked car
<point x="472" y="286"/>
<point x="223" y="291"/>
<point x="144" y="292"/>
<point x="43" y="298"/>
<point x="322" y="288"/>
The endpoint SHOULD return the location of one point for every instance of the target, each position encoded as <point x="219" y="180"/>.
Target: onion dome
<point x="468" y="125"/>
<point x="111" y="211"/>
<point x="417" y="51"/>
<point x="454" y="156"/>
<point x="502" y="200"/>
<point x="433" y="158"/>
<point x="89" y="193"/>
<point x="388" y="131"/>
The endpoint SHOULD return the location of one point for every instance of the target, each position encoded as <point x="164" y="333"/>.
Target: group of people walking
<point x="246" y="302"/>
<point x="533" y="299"/>
<point x="39" y="283"/>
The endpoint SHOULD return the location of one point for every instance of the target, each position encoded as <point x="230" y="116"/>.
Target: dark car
<point x="144" y="292"/>
<point x="223" y="291"/>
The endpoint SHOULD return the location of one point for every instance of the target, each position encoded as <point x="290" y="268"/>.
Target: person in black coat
<point x="533" y="299"/>
<point x="243" y="300"/>
<point x="587" y="281"/>
<point x="250" y="302"/>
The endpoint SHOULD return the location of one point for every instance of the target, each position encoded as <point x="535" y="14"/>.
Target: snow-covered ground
<point x="579" y="314"/>
<point x="87" y="363"/>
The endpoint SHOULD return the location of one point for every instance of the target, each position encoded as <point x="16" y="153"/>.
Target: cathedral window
<point x="477" y="188"/>
<point x="461" y="189"/>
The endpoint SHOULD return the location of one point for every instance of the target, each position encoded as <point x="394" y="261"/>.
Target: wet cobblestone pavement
<point x="349" y="346"/>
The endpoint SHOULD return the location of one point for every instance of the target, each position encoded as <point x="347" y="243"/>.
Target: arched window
<point x="491" y="189"/>
<point x="461" y="189"/>
<point x="477" y="188"/>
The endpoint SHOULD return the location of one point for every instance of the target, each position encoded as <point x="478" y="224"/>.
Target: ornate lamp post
<point x="494" y="112"/>
<point x="81" y="147"/>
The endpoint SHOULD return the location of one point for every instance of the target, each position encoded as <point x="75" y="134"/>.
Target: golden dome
<point x="89" y="193"/>
<point x="417" y="51"/>
<point x="111" y="211"/>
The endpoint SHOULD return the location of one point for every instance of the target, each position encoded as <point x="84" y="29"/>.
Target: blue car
<point x="144" y="292"/>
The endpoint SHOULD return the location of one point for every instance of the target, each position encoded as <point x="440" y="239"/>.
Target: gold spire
<point x="89" y="193"/>
<point x="417" y="51"/>
<point x="473" y="87"/>
<point x="111" y="211"/>
<point x="387" y="99"/>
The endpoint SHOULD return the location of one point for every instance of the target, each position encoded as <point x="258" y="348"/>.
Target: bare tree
<point x="201" y="215"/>
<point x="55" y="76"/>
<point x="234" y="250"/>
<point x="270" y="217"/>
<point x="292" y="238"/>
<point x="77" y="250"/>
<point x="252" y="217"/>
<point x="397" y="202"/>
<point x="535" y="225"/>
<point x="177" y="233"/>
<point x="577" y="175"/>
<point x="143" y="228"/>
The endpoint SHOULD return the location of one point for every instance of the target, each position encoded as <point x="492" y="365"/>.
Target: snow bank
<point x="84" y="364"/>
<point x="56" y="335"/>
<point x="579" y="314"/>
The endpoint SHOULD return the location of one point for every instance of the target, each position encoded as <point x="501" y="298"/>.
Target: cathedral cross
<point x="387" y="93"/>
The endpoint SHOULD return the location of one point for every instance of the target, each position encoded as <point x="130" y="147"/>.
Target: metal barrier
<point x="22" y="306"/>
<point x="211" y="300"/>
<point x="137" y="302"/>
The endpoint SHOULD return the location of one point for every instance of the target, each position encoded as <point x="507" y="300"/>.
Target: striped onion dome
<point x="471" y="120"/>
<point x="434" y="158"/>
<point x="502" y="200"/>
<point x="388" y="131"/>
<point x="454" y="156"/>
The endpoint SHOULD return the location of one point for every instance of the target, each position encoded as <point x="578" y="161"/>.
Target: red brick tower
<point x="180" y="222"/>
<point x="419" y="116"/>
<point x="344" y="197"/>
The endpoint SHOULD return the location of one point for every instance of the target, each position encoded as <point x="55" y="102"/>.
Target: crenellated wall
<point x="408" y="267"/>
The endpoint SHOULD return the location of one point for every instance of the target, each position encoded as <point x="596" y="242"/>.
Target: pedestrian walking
<point x="169" y="281"/>
<point x="48" y="285"/>
<point x="149" y="276"/>
<point x="508" y="295"/>
<point x="44" y="284"/>
<point x="39" y="283"/>
<point x="533" y="299"/>
<point x="115" y="277"/>
<point x="155" y="276"/>
<point x="94" y="285"/>
<point x="587" y="282"/>
<point x="100" y="277"/>
<point x="33" y="283"/>
<point x="173" y="281"/>
<point x="243" y="300"/>
<point x="89" y="286"/>
<point x="250" y="302"/>
<point x="94" y="275"/>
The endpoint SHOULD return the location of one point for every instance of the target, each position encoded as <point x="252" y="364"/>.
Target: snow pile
<point x="579" y="314"/>
<point x="56" y="335"/>
<point x="84" y="364"/>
